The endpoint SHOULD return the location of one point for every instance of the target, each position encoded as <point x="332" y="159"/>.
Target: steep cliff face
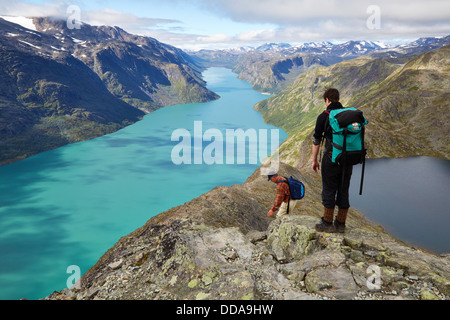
<point x="223" y="246"/>
<point x="140" y="70"/>
<point x="273" y="72"/>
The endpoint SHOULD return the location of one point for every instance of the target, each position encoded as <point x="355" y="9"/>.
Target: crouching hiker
<point x="284" y="203"/>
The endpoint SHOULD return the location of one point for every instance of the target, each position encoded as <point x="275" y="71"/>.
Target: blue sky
<point x="197" y="24"/>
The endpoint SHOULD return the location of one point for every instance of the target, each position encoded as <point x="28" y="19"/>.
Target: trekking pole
<point x="362" y="177"/>
<point x="344" y="156"/>
<point x="363" y="161"/>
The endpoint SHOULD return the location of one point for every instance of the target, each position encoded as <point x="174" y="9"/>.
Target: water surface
<point x="409" y="198"/>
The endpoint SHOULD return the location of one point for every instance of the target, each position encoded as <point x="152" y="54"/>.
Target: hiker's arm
<point x="319" y="129"/>
<point x="317" y="139"/>
<point x="315" y="153"/>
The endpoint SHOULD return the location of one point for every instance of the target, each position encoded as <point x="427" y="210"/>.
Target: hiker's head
<point x="332" y="95"/>
<point x="272" y="175"/>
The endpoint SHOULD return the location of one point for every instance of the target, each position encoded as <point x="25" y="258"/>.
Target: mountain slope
<point x="49" y="103"/>
<point x="272" y="68"/>
<point x="404" y="104"/>
<point x="414" y="48"/>
<point x="409" y="108"/>
<point x="272" y="72"/>
<point x="60" y="86"/>
<point x="139" y="70"/>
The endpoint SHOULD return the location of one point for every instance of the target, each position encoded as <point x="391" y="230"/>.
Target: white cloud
<point x="214" y="38"/>
<point x="288" y="12"/>
<point x="17" y="8"/>
<point x="257" y="35"/>
<point x="306" y="20"/>
<point x="106" y="16"/>
<point x="112" y="17"/>
<point x="273" y="20"/>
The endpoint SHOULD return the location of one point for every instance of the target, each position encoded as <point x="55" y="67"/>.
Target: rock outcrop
<point x="222" y="246"/>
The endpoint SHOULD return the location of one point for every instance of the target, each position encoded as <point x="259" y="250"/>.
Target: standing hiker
<point x="283" y="202"/>
<point x="335" y="186"/>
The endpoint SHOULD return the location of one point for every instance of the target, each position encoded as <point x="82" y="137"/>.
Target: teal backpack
<point x="348" y="131"/>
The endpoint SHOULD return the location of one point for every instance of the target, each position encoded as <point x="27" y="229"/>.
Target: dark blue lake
<point x="409" y="197"/>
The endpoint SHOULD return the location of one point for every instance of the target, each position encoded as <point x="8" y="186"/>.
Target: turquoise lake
<point x="68" y="206"/>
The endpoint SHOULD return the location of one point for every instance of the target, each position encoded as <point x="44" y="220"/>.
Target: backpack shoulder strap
<point x="327" y="124"/>
<point x="286" y="181"/>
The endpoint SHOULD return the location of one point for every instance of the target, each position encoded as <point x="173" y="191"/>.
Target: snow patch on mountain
<point x="22" y="21"/>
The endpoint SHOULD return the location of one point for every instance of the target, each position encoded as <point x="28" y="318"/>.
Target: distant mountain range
<point x="61" y="85"/>
<point x="345" y="49"/>
<point x="259" y="65"/>
<point x="325" y="48"/>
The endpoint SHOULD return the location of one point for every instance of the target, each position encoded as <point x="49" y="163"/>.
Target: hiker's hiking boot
<point x="339" y="226"/>
<point x="326" y="224"/>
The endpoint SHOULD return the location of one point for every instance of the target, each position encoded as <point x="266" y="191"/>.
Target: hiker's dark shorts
<point x="333" y="191"/>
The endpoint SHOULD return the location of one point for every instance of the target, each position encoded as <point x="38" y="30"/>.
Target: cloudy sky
<point x="194" y="24"/>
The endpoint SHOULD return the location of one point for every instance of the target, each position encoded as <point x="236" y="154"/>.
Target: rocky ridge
<point x="222" y="246"/>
